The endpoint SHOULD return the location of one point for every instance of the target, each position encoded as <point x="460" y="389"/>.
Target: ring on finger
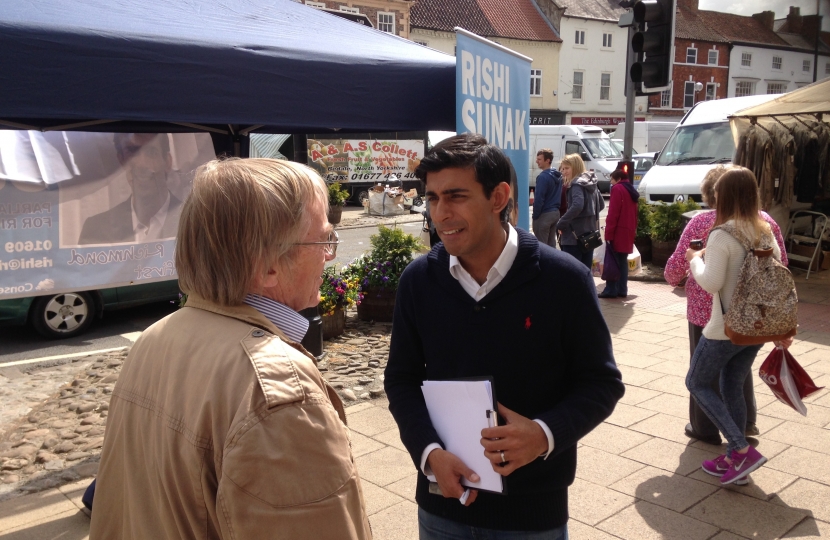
<point x="501" y="453"/>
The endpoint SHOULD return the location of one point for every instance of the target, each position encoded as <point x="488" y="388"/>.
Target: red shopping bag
<point x="787" y="379"/>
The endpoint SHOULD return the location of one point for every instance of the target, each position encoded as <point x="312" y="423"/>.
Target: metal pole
<point x="630" y="96"/>
<point x="818" y="37"/>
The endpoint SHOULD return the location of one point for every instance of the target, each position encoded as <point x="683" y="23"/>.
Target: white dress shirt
<point x="494" y="277"/>
<point x="145" y="232"/>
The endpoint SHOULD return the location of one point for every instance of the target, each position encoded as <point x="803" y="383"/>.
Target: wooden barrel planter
<point x="378" y="304"/>
<point x="643" y="245"/>
<point x="661" y="251"/>
<point x="334" y="324"/>
<point x="335" y="214"/>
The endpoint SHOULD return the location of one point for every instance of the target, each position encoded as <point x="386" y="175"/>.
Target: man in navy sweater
<point x="548" y="197"/>
<point x="491" y="300"/>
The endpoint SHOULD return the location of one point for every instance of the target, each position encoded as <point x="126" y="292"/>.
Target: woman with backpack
<point x="584" y="205"/>
<point x="716" y="357"/>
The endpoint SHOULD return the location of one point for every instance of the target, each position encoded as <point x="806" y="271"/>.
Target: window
<point x="580" y="37"/>
<point x="606" y="40"/>
<point x="348" y="9"/>
<point x="691" y="56"/>
<point x="535" y="82"/>
<point x="321" y="5"/>
<point x="746" y="59"/>
<point x="688" y="94"/>
<point x="805" y="66"/>
<point x="605" y="87"/>
<point x="665" y="98"/>
<point x="711" y="91"/>
<point x="776" y="88"/>
<point x="744" y="88"/>
<point x="713" y="57"/>
<point x="577" y="88"/>
<point x="776" y="62"/>
<point x="386" y="22"/>
<point x="573" y="147"/>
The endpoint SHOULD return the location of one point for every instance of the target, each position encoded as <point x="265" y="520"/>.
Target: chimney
<point x="810" y="26"/>
<point x="767" y="18"/>
<point x="691" y="5"/>
<point x="794" y="20"/>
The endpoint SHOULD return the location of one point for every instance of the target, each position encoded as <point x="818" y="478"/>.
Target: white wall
<point x="594" y="59"/>
<point x="761" y="72"/>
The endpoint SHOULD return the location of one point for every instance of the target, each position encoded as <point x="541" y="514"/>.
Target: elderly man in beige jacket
<point x="220" y="424"/>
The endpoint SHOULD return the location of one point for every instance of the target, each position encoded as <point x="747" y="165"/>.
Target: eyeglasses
<point x="331" y="244"/>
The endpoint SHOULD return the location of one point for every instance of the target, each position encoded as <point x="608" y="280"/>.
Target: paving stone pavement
<point x="638" y="476"/>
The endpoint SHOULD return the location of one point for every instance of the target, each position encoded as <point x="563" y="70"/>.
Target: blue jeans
<point x="722" y="360"/>
<point x="576" y="251"/>
<point x="432" y="527"/>
<point x="619" y="287"/>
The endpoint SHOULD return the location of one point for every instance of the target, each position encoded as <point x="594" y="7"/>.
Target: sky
<point x="780" y="7"/>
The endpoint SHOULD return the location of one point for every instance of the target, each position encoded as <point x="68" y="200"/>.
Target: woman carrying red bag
<point x="620" y="227"/>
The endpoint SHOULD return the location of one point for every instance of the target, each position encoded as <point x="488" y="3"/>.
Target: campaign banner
<point x="493" y="99"/>
<point x="364" y="160"/>
<point x="84" y="211"/>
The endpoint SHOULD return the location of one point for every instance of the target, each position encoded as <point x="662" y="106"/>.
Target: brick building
<point x="701" y="56"/>
<point x="390" y="16"/>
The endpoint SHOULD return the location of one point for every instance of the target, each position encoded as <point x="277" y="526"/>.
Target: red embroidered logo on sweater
<point x="528" y="323"/>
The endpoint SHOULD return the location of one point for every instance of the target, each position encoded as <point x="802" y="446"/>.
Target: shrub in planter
<point x="337" y="294"/>
<point x="380" y="271"/>
<point x="666" y="227"/>
<point x="337" y="199"/>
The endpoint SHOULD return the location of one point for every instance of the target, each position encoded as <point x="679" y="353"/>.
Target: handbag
<point x="610" y="266"/>
<point x="589" y="241"/>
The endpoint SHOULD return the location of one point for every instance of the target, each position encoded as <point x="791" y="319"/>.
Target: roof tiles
<point x="517" y="19"/>
<point x="606" y="10"/>
<point x="740" y="28"/>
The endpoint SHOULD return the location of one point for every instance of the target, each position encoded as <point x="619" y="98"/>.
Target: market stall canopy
<point x="803" y="106"/>
<point x="273" y="66"/>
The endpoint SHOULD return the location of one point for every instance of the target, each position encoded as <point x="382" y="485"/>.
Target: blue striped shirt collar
<point x="290" y="323"/>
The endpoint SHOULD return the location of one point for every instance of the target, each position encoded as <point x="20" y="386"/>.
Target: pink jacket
<point x="698" y="301"/>
<point x="621" y="221"/>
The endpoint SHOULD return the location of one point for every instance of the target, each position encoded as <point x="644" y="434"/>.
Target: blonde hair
<point x="737" y="199"/>
<point x="574" y="161"/>
<point x="241" y="217"/>
<point x="707" y="186"/>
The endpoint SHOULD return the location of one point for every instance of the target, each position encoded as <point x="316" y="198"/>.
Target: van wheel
<point x="63" y="315"/>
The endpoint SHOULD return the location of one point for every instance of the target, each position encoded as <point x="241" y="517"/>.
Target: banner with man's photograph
<point x="364" y="160"/>
<point x="84" y="211"/>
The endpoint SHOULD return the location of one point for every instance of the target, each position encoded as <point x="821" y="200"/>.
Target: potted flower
<point x="642" y="237"/>
<point x="380" y="271"/>
<point x="666" y="227"/>
<point x="337" y="199"/>
<point x="337" y="294"/>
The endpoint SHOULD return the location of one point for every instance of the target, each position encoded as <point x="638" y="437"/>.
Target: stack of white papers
<point x="459" y="410"/>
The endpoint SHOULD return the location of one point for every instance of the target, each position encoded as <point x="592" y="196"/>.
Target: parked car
<point x="642" y="164"/>
<point x="64" y="315"/>
<point x="621" y="146"/>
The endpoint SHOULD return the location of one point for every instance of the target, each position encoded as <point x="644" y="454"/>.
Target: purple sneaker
<point x="718" y="467"/>
<point x="742" y="465"/>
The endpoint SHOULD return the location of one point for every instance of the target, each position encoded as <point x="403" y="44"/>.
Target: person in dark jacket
<point x="548" y="198"/>
<point x="548" y="352"/>
<point x="620" y="228"/>
<point x="584" y="205"/>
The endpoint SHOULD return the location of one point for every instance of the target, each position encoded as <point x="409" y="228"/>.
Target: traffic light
<point x="627" y="167"/>
<point x="654" y="43"/>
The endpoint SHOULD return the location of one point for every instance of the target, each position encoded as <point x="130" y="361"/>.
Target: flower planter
<point x="334" y="324"/>
<point x="335" y="214"/>
<point x="644" y="247"/>
<point x="661" y="251"/>
<point x="378" y="304"/>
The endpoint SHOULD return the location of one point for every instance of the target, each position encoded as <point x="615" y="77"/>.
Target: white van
<point x="591" y="142"/>
<point x="648" y="136"/>
<point x="702" y="140"/>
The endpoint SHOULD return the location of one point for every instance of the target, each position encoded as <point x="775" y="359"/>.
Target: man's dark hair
<point x="468" y="151"/>
<point x="546" y="153"/>
<point x="128" y="144"/>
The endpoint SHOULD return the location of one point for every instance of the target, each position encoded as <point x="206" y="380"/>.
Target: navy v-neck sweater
<point x="541" y="336"/>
